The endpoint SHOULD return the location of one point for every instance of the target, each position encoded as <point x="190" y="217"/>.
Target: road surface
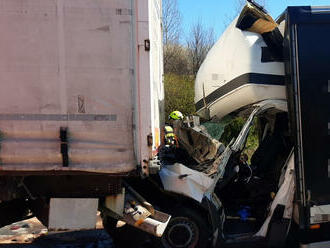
<point x="32" y="234"/>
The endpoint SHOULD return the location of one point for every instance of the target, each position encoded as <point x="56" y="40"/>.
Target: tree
<point x="171" y="22"/>
<point x="175" y="55"/>
<point x="176" y="59"/>
<point x="200" y="41"/>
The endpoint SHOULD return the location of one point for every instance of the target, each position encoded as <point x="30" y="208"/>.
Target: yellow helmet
<point x="175" y="115"/>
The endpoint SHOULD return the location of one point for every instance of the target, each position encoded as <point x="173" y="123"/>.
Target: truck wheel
<point x="186" y="229"/>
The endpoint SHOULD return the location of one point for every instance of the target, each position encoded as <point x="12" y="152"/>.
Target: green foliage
<point x="179" y="94"/>
<point x="252" y="142"/>
<point x="216" y="129"/>
<point x="233" y="129"/>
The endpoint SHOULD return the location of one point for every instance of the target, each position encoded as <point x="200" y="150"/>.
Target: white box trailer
<point x="81" y="104"/>
<point x="80" y="85"/>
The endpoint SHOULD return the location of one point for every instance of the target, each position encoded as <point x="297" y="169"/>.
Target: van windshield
<point x="216" y="128"/>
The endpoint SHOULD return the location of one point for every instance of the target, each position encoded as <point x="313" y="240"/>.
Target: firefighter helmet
<point x="175" y="115"/>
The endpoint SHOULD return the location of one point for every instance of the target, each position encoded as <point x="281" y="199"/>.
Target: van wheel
<point x="186" y="229"/>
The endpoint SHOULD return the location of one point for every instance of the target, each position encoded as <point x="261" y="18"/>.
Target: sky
<point x="217" y="13"/>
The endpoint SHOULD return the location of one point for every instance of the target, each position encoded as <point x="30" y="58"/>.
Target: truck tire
<point x="186" y="229"/>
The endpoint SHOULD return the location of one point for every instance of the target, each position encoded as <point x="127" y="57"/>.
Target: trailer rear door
<point x="80" y="85"/>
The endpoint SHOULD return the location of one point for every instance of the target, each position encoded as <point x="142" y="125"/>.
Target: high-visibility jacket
<point x="170" y="137"/>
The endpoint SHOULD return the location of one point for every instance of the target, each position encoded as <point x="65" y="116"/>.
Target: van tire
<point x="186" y="229"/>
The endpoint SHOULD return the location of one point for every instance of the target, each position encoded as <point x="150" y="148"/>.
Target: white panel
<point x="156" y="69"/>
<point x="320" y="214"/>
<point x="72" y="213"/>
<point x="284" y="196"/>
<point x="245" y="95"/>
<point x="316" y="245"/>
<point x="194" y="185"/>
<point x="236" y="53"/>
<point x="149" y="77"/>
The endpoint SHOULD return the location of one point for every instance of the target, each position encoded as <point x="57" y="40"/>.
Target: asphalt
<point x="32" y="234"/>
<point x="79" y="239"/>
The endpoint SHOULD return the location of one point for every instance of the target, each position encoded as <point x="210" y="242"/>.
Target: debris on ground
<point x="31" y="233"/>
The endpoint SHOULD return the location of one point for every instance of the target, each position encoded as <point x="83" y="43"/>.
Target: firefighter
<point x="171" y="145"/>
<point x="170" y="137"/>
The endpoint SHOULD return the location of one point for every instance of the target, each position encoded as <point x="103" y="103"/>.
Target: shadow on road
<point x="78" y="239"/>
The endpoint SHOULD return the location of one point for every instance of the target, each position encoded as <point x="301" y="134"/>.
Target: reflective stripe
<point x="248" y="78"/>
<point x="57" y="117"/>
<point x="168" y="129"/>
<point x="169" y="135"/>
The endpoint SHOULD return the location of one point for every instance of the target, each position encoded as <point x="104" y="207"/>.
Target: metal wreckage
<point x="70" y="147"/>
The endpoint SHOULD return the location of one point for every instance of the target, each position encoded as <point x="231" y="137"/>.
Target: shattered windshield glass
<point x="216" y="128"/>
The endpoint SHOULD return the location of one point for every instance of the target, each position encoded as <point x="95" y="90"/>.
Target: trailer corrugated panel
<point x="68" y="85"/>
